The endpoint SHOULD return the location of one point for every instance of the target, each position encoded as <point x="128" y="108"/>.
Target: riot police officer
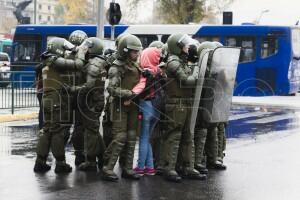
<point x="123" y="75"/>
<point x="76" y="38"/>
<point x="56" y="103"/>
<point x="201" y="127"/>
<point x="206" y="131"/>
<point x="178" y="89"/>
<point x="156" y="138"/>
<point x="110" y="57"/>
<point x="90" y="99"/>
<point x="156" y="44"/>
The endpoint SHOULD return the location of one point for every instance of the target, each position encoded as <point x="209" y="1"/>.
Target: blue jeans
<point x="150" y="118"/>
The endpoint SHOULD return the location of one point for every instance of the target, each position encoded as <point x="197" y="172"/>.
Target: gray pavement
<point x="262" y="157"/>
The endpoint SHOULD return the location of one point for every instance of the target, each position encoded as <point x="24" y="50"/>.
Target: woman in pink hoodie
<point x="149" y="62"/>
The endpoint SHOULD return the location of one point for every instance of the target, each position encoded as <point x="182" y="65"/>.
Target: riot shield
<point x="219" y="84"/>
<point x="202" y="64"/>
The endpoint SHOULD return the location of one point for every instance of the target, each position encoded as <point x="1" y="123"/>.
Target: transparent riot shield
<point x="219" y="85"/>
<point x="202" y="64"/>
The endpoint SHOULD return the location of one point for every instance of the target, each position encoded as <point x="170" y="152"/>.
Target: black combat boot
<point x="130" y="174"/>
<point x="62" y="167"/>
<point x="109" y="175"/>
<point x="79" y="158"/>
<point x="217" y="166"/>
<point x="159" y="171"/>
<point x="88" y="166"/>
<point x="172" y="176"/>
<point x="127" y="171"/>
<point x="201" y="168"/>
<point x="100" y="161"/>
<point x="41" y="167"/>
<point x="191" y="173"/>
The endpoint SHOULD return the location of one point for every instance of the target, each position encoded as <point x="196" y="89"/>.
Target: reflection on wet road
<point x="265" y="169"/>
<point x="253" y="121"/>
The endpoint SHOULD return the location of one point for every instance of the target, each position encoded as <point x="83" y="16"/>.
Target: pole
<point x="100" y="19"/>
<point x="13" y="94"/>
<point x="34" y="12"/>
<point x="112" y="36"/>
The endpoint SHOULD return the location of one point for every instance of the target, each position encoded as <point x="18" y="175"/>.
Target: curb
<point x="266" y="105"/>
<point x="18" y="117"/>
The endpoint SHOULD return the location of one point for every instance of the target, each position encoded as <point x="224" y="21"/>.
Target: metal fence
<point x="17" y="90"/>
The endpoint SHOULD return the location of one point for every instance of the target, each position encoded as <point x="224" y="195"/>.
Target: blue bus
<point x="269" y="61"/>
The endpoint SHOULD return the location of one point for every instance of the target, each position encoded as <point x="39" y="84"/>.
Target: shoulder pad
<point x="96" y="61"/>
<point x="93" y="70"/>
<point x="173" y="57"/>
<point x="173" y="65"/>
<point x="113" y="71"/>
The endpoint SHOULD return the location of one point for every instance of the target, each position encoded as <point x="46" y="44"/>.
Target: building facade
<point x="45" y="13"/>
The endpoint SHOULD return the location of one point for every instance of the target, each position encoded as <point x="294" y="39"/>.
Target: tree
<point x="174" y="11"/>
<point x="59" y="14"/>
<point x="75" y="11"/>
<point x="214" y="10"/>
<point x="220" y="6"/>
<point x="180" y="11"/>
<point x="183" y="11"/>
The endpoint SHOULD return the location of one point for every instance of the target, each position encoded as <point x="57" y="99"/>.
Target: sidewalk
<point x="20" y="114"/>
<point x="290" y="102"/>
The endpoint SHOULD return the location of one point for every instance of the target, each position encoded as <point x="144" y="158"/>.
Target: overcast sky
<point x="281" y="12"/>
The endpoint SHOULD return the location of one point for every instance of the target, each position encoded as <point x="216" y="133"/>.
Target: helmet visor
<point x="185" y="41"/>
<point x="88" y="43"/>
<point x="134" y="47"/>
<point x="68" y="45"/>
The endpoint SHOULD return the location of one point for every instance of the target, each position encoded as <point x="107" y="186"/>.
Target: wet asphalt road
<point x="262" y="157"/>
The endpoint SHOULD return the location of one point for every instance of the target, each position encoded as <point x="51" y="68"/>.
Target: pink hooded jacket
<point x="149" y="60"/>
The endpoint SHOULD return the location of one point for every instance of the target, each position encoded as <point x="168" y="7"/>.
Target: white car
<point x="4" y="69"/>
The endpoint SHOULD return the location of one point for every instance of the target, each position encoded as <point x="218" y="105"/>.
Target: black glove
<point x="38" y="68"/>
<point x="69" y="89"/>
<point x="147" y="74"/>
<point x="46" y="55"/>
<point x="108" y="52"/>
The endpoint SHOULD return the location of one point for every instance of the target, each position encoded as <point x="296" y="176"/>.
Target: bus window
<point x="231" y="42"/>
<point x="269" y="46"/>
<point x="164" y="38"/>
<point x="207" y="38"/>
<point x="247" y="45"/>
<point x="296" y="42"/>
<point x="27" y="48"/>
<point x="147" y="39"/>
